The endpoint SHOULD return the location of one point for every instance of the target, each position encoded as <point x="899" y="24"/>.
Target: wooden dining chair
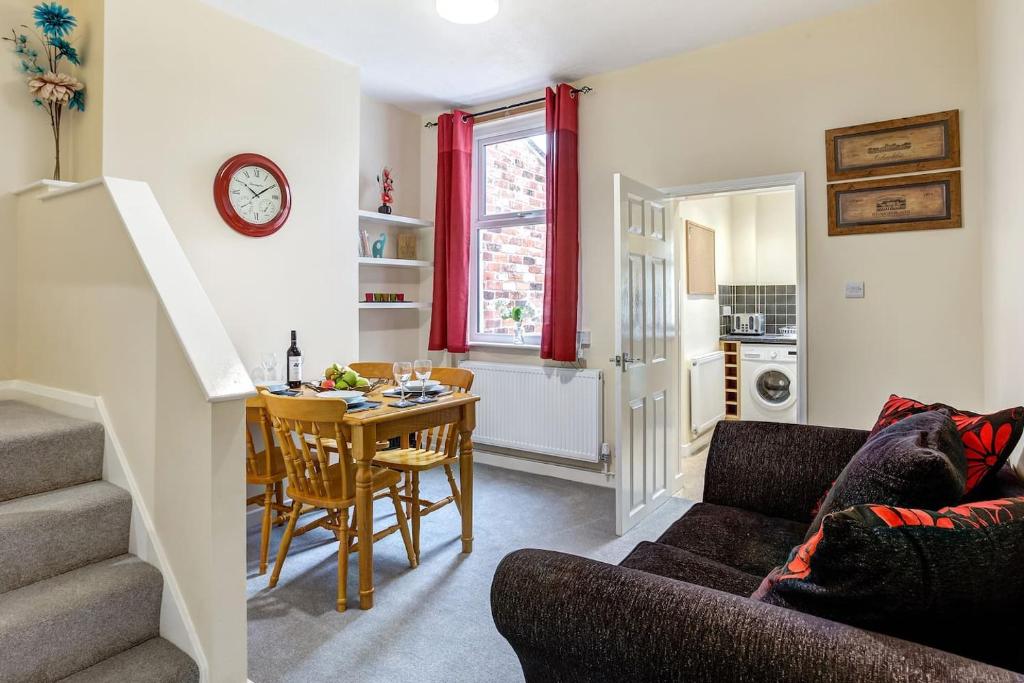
<point x="435" y="447"/>
<point x="264" y="468"/>
<point x="375" y="370"/>
<point x="302" y="425"/>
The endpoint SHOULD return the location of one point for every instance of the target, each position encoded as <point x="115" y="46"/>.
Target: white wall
<point x="27" y="156"/>
<point x="176" y="109"/>
<point x="776" y="238"/>
<point x="1001" y="57"/>
<point x="805" y="79"/>
<point x="744" y="239"/>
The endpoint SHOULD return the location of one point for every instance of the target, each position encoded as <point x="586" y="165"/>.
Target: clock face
<point x="255" y="194"/>
<point x="252" y="195"/>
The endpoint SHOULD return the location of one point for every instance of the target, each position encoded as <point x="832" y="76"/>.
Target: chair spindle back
<point x="444" y="438"/>
<point x="258" y="463"/>
<point x="302" y="423"/>
<point x="375" y="370"/>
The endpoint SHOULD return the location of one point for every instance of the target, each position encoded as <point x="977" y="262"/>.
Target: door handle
<point x="622" y="361"/>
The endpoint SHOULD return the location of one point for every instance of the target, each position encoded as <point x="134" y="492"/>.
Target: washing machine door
<point x="772" y="387"/>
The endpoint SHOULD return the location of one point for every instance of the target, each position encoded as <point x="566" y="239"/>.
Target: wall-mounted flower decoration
<point x="51" y="90"/>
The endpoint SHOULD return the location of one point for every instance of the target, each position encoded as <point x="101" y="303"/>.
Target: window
<point x="509" y="238"/>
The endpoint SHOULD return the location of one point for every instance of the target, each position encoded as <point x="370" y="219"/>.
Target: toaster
<point x="747" y="323"/>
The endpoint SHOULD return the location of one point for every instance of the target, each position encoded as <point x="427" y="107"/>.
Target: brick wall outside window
<point x="511" y="267"/>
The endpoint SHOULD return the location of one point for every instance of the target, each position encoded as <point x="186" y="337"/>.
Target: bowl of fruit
<point x="341" y="377"/>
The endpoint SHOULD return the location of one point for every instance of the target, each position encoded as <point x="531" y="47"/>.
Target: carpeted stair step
<point x="54" y="532"/>
<point x="154" y="661"/>
<point x="67" y="623"/>
<point x="43" y="451"/>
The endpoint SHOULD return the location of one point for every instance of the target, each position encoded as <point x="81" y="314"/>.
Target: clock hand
<point x="269" y="188"/>
<point x="246" y="187"/>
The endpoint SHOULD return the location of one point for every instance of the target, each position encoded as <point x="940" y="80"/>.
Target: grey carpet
<point x="59" y="626"/>
<point x="432" y="623"/>
<point x="154" y="661"/>
<point x="42" y="451"/>
<point x="57" y="531"/>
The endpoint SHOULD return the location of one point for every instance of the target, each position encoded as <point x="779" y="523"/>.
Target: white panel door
<point x="647" y="353"/>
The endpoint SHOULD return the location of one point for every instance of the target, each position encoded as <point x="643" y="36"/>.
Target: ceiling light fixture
<point x="467" y="11"/>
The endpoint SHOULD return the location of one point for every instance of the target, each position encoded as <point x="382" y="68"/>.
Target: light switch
<point x="855" y="290"/>
<point x="726" y="310"/>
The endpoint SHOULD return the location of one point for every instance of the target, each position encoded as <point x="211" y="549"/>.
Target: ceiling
<point x="411" y="57"/>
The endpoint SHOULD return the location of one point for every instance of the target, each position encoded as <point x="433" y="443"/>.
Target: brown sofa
<point x="678" y="609"/>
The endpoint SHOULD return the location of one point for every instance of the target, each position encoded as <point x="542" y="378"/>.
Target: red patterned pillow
<point x="932" y="577"/>
<point x="988" y="439"/>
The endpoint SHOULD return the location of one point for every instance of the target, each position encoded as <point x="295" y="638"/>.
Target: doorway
<point x="757" y="313"/>
<point x="756" y="296"/>
<point x="767" y="239"/>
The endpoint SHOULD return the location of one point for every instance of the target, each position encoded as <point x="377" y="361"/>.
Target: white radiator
<point x="707" y="391"/>
<point x="555" y="411"/>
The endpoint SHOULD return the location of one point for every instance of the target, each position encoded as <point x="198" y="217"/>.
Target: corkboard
<point x="700" y="259"/>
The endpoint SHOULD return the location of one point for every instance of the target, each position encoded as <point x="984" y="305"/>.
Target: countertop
<point x="759" y="338"/>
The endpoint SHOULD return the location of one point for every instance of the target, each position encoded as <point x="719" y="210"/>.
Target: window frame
<point x="484" y="135"/>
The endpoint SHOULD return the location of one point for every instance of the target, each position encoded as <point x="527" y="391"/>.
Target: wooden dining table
<point x="367" y="427"/>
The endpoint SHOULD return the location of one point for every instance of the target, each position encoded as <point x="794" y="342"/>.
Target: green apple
<point x="350" y="377"/>
<point x="362" y="382"/>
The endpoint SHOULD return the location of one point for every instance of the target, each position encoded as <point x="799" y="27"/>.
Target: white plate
<point x="417" y="384"/>
<point x="349" y="397"/>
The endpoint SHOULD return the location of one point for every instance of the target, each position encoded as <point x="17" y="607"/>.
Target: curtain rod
<point x="583" y="91"/>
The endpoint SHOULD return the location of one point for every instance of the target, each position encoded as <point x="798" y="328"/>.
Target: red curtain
<point x="561" y="269"/>
<point x="449" y="318"/>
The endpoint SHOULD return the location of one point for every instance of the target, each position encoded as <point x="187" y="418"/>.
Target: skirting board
<point x="175" y="623"/>
<point x="543" y="468"/>
<point x="688" y="450"/>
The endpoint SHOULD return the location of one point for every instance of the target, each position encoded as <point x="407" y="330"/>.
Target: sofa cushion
<point x="917" y="462"/>
<point x="682" y="565"/>
<point x="951" y="579"/>
<point x="741" y="539"/>
<point x="988" y="439"/>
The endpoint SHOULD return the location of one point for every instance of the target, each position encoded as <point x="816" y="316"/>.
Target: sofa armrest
<point x="569" y="618"/>
<point x="774" y="468"/>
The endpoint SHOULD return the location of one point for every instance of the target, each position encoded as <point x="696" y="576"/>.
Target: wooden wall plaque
<point x="700" y="259"/>
<point x="920" y="202"/>
<point x="407" y="246"/>
<point x="916" y="143"/>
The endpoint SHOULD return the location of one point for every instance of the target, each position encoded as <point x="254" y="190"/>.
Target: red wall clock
<point x="252" y="195"/>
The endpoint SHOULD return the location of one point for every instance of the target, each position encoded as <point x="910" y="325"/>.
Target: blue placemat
<point x="369" y="405"/>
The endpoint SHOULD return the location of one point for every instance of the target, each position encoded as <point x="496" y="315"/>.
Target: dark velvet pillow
<point x="988" y="439"/>
<point x="951" y="579"/>
<point x="917" y="462"/>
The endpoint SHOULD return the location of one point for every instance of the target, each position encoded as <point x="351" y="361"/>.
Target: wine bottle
<point x="294" y="364"/>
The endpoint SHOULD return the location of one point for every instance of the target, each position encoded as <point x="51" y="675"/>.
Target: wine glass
<point x="403" y="372"/>
<point x="268" y="361"/>
<point x="422" y="368"/>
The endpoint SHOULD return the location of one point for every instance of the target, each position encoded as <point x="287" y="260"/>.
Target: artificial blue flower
<point x="22" y="38"/>
<point x="77" y="100"/>
<point x="65" y="50"/>
<point x="54" y="20"/>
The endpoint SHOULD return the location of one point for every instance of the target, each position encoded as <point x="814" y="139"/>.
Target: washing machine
<point x="768" y="374"/>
